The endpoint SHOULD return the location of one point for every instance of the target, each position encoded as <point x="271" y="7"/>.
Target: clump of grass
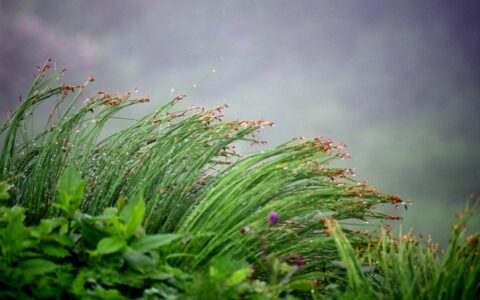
<point x="403" y="267"/>
<point x="262" y="208"/>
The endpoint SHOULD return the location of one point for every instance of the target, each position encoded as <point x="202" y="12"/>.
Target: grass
<point x="184" y="164"/>
<point x="402" y="268"/>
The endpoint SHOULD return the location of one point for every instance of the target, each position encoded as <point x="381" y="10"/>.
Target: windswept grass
<point x="184" y="164"/>
<point x="404" y="268"/>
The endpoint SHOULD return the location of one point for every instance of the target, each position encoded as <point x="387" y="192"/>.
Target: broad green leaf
<point x="70" y="188"/>
<point x="4" y="187"/>
<point x="140" y="262"/>
<point x="63" y="240"/>
<point x="222" y="268"/>
<point x="285" y="268"/>
<point x="135" y="219"/>
<point x="128" y="210"/>
<point x="47" y="292"/>
<point x="239" y="276"/>
<point x="158" y="275"/>
<point x="215" y="273"/>
<point x="151" y="242"/>
<point x="14" y="235"/>
<point x="47" y="225"/>
<point x="37" y="266"/>
<point x="90" y="233"/>
<point x="301" y="285"/>
<point x="54" y="250"/>
<point x="108" y="294"/>
<point x="71" y="182"/>
<point x="120" y="203"/>
<point x="110" y="245"/>
<point x="110" y="211"/>
<point x="116" y="227"/>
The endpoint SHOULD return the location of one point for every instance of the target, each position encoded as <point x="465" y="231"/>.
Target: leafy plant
<point x="104" y="257"/>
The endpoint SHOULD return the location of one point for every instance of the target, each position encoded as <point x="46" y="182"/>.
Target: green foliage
<point x="70" y="189"/>
<point x="81" y="256"/>
<point x="167" y="209"/>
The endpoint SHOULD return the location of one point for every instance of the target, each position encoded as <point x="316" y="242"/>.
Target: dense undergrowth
<point x="166" y="208"/>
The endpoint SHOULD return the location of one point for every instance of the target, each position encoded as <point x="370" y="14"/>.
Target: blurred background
<point x="398" y="81"/>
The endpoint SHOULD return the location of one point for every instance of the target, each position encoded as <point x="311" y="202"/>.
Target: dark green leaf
<point x="61" y="239"/>
<point x="109" y="294"/>
<point x="90" y="233"/>
<point x="140" y="262"/>
<point x="37" y="266"/>
<point x="54" y="250"/>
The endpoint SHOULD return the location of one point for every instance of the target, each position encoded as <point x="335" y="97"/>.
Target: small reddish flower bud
<point x="143" y="100"/>
<point x="180" y="97"/>
<point x="361" y="184"/>
<point x="395" y="199"/>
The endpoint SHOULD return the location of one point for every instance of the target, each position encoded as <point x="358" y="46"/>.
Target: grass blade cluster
<point x="403" y="267"/>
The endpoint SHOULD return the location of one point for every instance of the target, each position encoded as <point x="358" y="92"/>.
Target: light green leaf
<point x="285" y="268"/>
<point x="4" y="187"/>
<point x="301" y="285"/>
<point x="136" y="218"/>
<point x="239" y="276"/>
<point x="14" y="234"/>
<point x="47" y="225"/>
<point x="151" y="242"/>
<point x="70" y="188"/>
<point x="110" y="245"/>
<point x="128" y="210"/>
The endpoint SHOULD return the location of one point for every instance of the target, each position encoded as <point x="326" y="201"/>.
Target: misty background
<point x="398" y="81"/>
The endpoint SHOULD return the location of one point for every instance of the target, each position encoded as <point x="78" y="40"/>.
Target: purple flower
<point x="299" y="261"/>
<point x="273" y="218"/>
